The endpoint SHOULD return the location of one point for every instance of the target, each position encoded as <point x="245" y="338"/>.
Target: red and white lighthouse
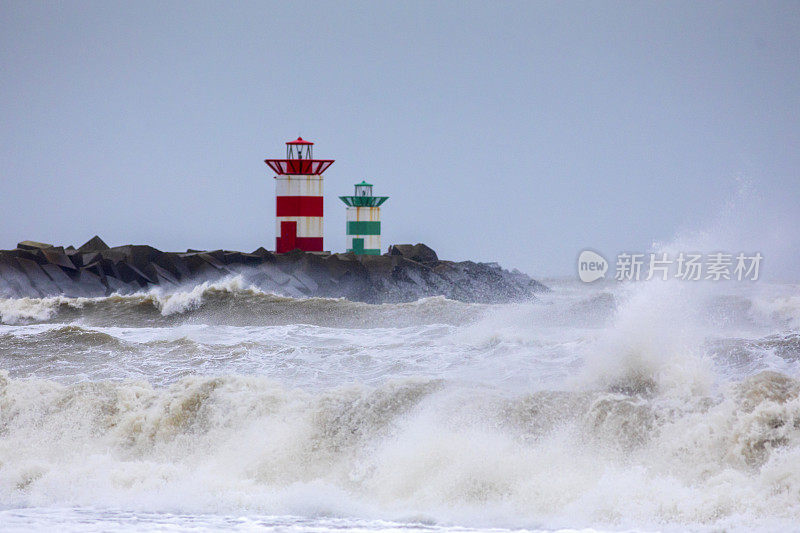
<point x="298" y="192"/>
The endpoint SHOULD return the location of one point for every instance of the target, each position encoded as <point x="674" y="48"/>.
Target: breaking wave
<point x="408" y="449"/>
<point x="229" y="301"/>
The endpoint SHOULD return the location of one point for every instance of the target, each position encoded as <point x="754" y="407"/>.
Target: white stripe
<point x="371" y="214"/>
<point x="306" y="226"/>
<point x="298" y="186"/>
<point x="371" y="242"/>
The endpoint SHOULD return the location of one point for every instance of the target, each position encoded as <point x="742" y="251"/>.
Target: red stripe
<point x="307" y="244"/>
<point x="310" y="244"/>
<point x="299" y="206"/>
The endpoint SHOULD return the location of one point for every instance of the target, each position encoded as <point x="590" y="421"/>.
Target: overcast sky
<point x="517" y="132"/>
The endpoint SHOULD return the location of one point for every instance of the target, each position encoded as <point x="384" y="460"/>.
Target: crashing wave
<point x="246" y="442"/>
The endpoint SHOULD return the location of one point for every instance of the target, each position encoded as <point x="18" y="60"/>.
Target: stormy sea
<point x="610" y="406"/>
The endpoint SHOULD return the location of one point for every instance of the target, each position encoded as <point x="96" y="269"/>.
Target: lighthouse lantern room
<point x="298" y="197"/>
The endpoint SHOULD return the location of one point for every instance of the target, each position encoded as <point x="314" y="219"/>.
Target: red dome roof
<point x="299" y="141"/>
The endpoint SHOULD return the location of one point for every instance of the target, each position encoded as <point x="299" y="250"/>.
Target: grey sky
<point x="516" y="132"/>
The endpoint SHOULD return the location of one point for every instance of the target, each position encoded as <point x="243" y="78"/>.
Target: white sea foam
<point x="19" y="310"/>
<point x="421" y="448"/>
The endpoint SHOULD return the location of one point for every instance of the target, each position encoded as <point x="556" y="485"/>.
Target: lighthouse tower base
<point x="298" y="223"/>
<point x="364" y="230"/>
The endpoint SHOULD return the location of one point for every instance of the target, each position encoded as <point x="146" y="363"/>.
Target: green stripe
<point x="363" y="227"/>
<point x="358" y="248"/>
<point x="365" y="251"/>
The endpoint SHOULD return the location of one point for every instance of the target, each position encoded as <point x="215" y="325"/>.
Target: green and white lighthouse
<point x="364" y="220"/>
